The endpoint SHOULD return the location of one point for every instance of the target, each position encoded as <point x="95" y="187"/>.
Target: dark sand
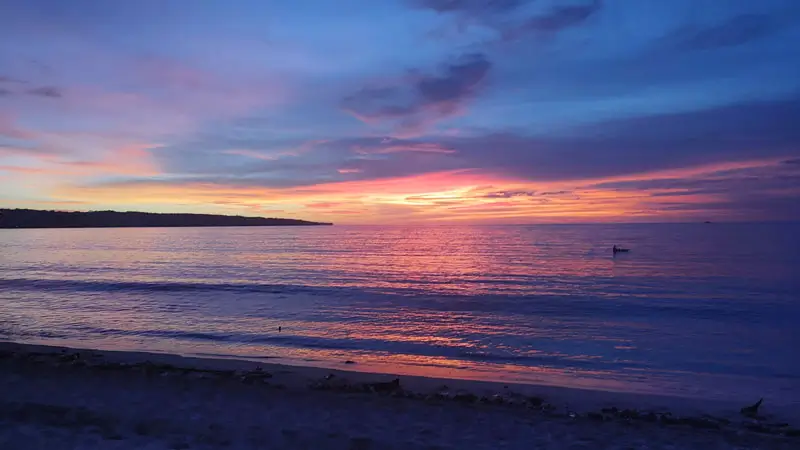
<point x="50" y="398"/>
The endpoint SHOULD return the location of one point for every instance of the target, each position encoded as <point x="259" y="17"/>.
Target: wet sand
<point x="58" y="398"/>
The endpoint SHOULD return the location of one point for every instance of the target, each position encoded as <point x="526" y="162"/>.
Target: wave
<point x="116" y="286"/>
<point x="370" y="346"/>
<point x="609" y="306"/>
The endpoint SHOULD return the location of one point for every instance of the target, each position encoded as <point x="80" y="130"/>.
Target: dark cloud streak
<point x="736" y="31"/>
<point x="509" y="194"/>
<point x="558" y="19"/>
<point x="744" y="132"/>
<point x="438" y="95"/>
<point x="469" y="6"/>
<point x="46" y="91"/>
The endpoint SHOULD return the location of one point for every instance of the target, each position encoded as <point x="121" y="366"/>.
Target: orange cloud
<point x="461" y="196"/>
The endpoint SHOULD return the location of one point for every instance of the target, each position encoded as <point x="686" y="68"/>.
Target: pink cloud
<point x="22" y="169"/>
<point x="323" y="205"/>
<point x="252" y="154"/>
<point x="419" y="147"/>
<point x="9" y="128"/>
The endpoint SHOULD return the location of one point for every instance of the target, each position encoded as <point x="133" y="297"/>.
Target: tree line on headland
<point x="31" y="218"/>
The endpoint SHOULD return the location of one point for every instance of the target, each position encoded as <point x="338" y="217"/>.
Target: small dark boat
<point x="620" y="250"/>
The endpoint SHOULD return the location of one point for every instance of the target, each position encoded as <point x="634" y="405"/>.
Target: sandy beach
<point x="59" y="398"/>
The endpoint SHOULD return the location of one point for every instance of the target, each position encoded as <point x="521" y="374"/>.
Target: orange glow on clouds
<point x="462" y="196"/>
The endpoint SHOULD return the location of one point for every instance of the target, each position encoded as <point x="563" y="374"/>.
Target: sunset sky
<point x="404" y="111"/>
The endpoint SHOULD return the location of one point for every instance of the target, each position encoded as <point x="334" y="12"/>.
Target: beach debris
<point x="465" y="397"/>
<point x="667" y="419"/>
<point x="758" y="427"/>
<point x="699" y="422"/>
<point x="383" y="387"/>
<point x="535" y="402"/>
<point x="650" y="417"/>
<point x="570" y="413"/>
<point x="442" y="392"/>
<point x="752" y="410"/>
<point x="596" y="416"/>
<point x="70" y="358"/>
<point x="255" y="376"/>
<point x="199" y="375"/>
<point x="629" y="414"/>
<point x="498" y="399"/>
<point x="547" y="408"/>
<point x="331" y="382"/>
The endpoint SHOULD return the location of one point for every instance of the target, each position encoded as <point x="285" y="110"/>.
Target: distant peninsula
<point x="31" y="218"/>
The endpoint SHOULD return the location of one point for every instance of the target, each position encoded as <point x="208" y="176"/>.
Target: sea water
<point x="702" y="310"/>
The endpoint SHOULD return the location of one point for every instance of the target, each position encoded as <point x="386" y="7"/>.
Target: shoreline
<point x="137" y="399"/>
<point x="300" y="377"/>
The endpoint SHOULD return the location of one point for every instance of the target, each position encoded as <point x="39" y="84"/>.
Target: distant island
<point x="31" y="218"/>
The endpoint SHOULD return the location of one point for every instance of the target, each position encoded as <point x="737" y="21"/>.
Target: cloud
<point x="752" y="191"/>
<point x="732" y="133"/>
<point x="470" y="6"/>
<point x="557" y="19"/>
<point x="749" y="178"/>
<point x="8" y="80"/>
<point x="400" y="146"/>
<point x="5" y="79"/>
<point x="461" y="196"/>
<point x="551" y="193"/>
<point x="46" y="91"/>
<point x="509" y="194"/>
<point x="422" y="97"/>
<point x="742" y="132"/>
<point x="21" y="169"/>
<point x="9" y="128"/>
<point x="510" y="20"/>
<point x="323" y="205"/>
<point x="735" y="31"/>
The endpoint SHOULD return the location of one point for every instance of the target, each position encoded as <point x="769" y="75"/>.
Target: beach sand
<point x="56" y="398"/>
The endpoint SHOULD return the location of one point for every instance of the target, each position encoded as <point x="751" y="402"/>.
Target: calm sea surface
<point x="710" y="310"/>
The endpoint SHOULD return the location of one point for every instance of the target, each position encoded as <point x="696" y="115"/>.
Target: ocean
<point x="699" y="310"/>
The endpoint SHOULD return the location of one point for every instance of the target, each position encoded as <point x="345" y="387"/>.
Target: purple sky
<point x="404" y="110"/>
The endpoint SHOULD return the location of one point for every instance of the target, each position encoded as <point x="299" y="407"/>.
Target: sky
<point x="404" y="111"/>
